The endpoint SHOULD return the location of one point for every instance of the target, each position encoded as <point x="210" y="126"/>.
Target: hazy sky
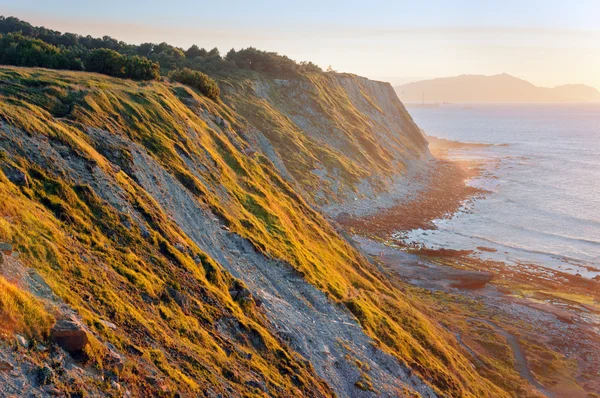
<point x="546" y="42"/>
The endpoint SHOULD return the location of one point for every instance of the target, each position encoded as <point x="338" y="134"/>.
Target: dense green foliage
<point x="110" y="62"/>
<point x="16" y="49"/>
<point x="197" y="80"/>
<point x="167" y="56"/>
<point x="251" y="58"/>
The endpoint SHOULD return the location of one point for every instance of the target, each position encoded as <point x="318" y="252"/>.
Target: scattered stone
<point x="114" y="361"/>
<point x="6" y="248"/>
<point x="5" y="366"/>
<point x="249" y="151"/>
<point x="70" y="335"/>
<point x="240" y="294"/>
<point x="115" y="385"/>
<point x="181" y="299"/>
<point x="145" y="232"/>
<point x="23" y="342"/>
<point x="344" y="217"/>
<point x="50" y="389"/>
<point x="15" y="175"/>
<point x="40" y="347"/>
<point x="15" y="254"/>
<point x="108" y="324"/>
<point x="257" y="384"/>
<point x="180" y="247"/>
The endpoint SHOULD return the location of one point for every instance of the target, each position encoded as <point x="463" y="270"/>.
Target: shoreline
<point x="445" y="192"/>
<point x="546" y="320"/>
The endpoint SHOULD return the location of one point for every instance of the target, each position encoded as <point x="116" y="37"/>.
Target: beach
<point x="526" y="320"/>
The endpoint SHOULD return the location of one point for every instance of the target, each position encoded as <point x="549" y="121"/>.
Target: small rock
<point x="40" y="347"/>
<point x="50" y="389"/>
<point x="115" y="385"/>
<point x="70" y="335"/>
<point x="180" y="247"/>
<point x="5" y="366"/>
<point x="145" y="232"/>
<point x="234" y="293"/>
<point x="6" y="248"/>
<point x="181" y="300"/>
<point x="22" y="341"/>
<point x="15" y="175"/>
<point x="243" y="294"/>
<point x="15" y="254"/>
<point x="108" y="324"/>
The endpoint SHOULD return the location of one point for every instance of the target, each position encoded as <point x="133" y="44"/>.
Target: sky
<point x="545" y="42"/>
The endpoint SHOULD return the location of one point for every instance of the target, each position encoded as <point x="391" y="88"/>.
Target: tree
<point x="194" y="51"/>
<point x="145" y="49"/>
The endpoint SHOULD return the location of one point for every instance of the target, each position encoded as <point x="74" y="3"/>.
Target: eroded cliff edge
<point x="347" y="141"/>
<point x="189" y="228"/>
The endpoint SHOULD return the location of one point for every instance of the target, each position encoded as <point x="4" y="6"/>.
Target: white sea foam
<point x="544" y="205"/>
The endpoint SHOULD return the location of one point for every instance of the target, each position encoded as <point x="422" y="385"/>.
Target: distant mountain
<point x="497" y="88"/>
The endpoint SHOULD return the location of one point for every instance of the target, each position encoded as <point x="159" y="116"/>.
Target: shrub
<point x="197" y="80"/>
<point x="106" y="61"/>
<point x="141" y="68"/>
<point x="110" y="62"/>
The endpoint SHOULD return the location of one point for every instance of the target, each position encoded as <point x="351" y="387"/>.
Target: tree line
<point x="23" y="44"/>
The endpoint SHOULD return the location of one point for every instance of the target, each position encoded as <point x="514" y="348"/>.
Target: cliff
<point x="176" y="240"/>
<point x="339" y="137"/>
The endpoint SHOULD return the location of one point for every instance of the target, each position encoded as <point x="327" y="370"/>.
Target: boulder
<point x="15" y="175"/>
<point x="70" y="335"/>
<point x="6" y="248"/>
<point x="23" y="342"/>
<point x="5" y="366"/>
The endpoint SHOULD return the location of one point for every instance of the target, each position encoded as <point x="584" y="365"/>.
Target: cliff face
<point x="340" y="137"/>
<point x="180" y="234"/>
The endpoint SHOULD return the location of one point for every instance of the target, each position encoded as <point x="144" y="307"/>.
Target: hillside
<point x="180" y="235"/>
<point x="498" y="88"/>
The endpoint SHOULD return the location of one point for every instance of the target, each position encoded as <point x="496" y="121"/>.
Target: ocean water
<point x="543" y="174"/>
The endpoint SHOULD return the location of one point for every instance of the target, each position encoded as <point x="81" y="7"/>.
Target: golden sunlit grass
<point x="22" y="313"/>
<point x="103" y="269"/>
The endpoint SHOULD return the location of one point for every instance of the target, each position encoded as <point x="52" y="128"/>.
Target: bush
<point x="106" y="61"/>
<point x="110" y="62"/>
<point x="197" y="80"/>
<point x="141" y="68"/>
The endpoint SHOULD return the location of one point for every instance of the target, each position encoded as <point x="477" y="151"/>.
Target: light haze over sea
<point x="544" y="205"/>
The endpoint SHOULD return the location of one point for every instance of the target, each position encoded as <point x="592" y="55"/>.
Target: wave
<point x="558" y="256"/>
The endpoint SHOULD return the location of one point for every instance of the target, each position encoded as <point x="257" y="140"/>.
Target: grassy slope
<point x="56" y="224"/>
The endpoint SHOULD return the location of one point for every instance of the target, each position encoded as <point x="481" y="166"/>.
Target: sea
<point x="541" y="170"/>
